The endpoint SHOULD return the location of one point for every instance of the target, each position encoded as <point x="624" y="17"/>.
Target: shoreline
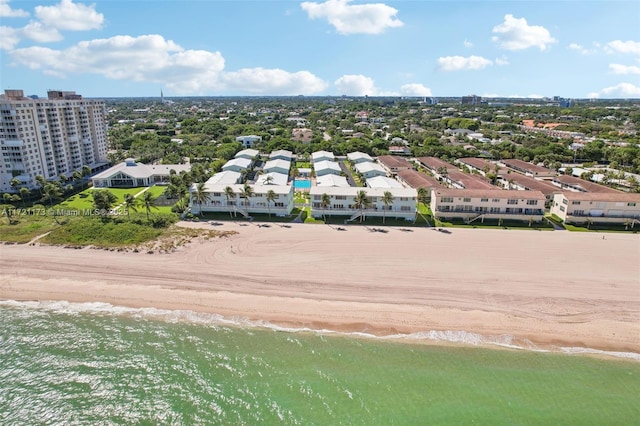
<point x="553" y="289"/>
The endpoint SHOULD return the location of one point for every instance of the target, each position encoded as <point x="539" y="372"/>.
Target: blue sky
<point x="118" y="48"/>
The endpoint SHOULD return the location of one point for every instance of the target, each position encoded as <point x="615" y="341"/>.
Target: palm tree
<point x="24" y="193"/>
<point x="229" y="194"/>
<point x="271" y="196"/>
<point x="50" y="192"/>
<point x="86" y="170"/>
<point x="77" y="175"/>
<point x="246" y="193"/>
<point x="149" y="202"/>
<point x="200" y="196"/>
<point x="423" y="194"/>
<point x="15" y="183"/>
<point x="387" y="200"/>
<point x="361" y="202"/>
<point x="130" y="203"/>
<point x="325" y="202"/>
<point x="41" y="181"/>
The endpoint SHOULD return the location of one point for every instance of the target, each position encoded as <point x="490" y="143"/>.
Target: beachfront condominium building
<point x="49" y="137"/>
<point x="473" y="204"/>
<point x="342" y="202"/>
<point x="597" y="207"/>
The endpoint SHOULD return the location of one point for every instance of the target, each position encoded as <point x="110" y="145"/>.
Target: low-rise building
<point x="394" y="164"/>
<point x="332" y="180"/>
<point x="572" y="183"/>
<point x="324" y="167"/>
<point x="383" y="182"/>
<point x="528" y="169"/>
<point x="273" y="178"/>
<point x="479" y="165"/>
<point x="237" y="165"/>
<point x="359" y="157"/>
<point x="249" y="140"/>
<point x="129" y="174"/>
<point x="597" y="207"/>
<point x="247" y="153"/>
<point x="470" y="205"/>
<point x="277" y="166"/>
<point x="527" y="183"/>
<point x="369" y="170"/>
<point x="322" y="156"/>
<point x="218" y="200"/>
<point x="281" y="154"/>
<point x="342" y="202"/>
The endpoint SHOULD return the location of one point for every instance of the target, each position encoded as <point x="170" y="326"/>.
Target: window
<point x="484" y="200"/>
<point x="512" y="201"/>
<point x="631" y="204"/>
<point x="467" y="200"/>
<point x="565" y="201"/>
<point x="575" y="203"/>
<point x="446" y="200"/>
<point x="532" y="202"/>
<point x="495" y="200"/>
<point x="578" y="212"/>
<point x="562" y="208"/>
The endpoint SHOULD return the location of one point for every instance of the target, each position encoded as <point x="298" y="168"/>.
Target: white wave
<point x="199" y="318"/>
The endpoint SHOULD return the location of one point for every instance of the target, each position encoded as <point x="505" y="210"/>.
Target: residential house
<point x="249" y="153"/>
<point x="281" y="154"/>
<point x="528" y="169"/>
<point x="237" y="164"/>
<point x="324" y="167"/>
<point x="394" y="164"/>
<point x="249" y="140"/>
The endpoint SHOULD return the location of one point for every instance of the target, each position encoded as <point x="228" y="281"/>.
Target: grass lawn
<point x="25" y="228"/>
<point x="494" y="224"/>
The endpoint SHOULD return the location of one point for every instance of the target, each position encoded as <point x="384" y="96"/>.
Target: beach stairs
<point x="242" y="211"/>
<point x="355" y="216"/>
<point x="472" y="219"/>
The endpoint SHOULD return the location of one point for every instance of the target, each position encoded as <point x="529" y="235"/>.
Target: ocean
<point x="96" y="364"/>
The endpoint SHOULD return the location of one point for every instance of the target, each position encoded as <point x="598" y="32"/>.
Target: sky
<point x="138" y="48"/>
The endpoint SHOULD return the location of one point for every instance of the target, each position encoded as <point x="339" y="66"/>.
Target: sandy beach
<point x="546" y="289"/>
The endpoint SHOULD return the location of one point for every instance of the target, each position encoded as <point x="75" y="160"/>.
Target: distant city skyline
<point x="507" y="49"/>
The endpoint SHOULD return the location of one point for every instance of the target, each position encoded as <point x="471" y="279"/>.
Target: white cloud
<point x="151" y="58"/>
<point x="622" y="90"/>
<point x="70" y="16"/>
<point x="516" y="34"/>
<point x="415" y="89"/>
<point x="356" y="85"/>
<point x="626" y="47"/>
<point x="40" y="33"/>
<point x="468" y="44"/>
<point x="372" y="18"/>
<point x="458" y="63"/>
<point x="624" y="69"/>
<point x="579" y="48"/>
<point x="273" y="82"/>
<point x="9" y="37"/>
<point x="7" y="12"/>
<point x="502" y="60"/>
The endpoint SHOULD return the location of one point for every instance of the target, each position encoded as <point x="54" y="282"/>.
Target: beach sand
<point x="545" y="289"/>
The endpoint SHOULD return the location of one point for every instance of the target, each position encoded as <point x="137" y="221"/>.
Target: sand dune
<point x="549" y="288"/>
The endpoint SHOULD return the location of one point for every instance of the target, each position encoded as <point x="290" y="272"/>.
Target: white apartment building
<point x="219" y="201"/>
<point x="403" y="206"/>
<point x="600" y="207"/>
<point x="49" y="137"/>
<point x="472" y="204"/>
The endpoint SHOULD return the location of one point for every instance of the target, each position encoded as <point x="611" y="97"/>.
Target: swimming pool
<point x="302" y="183"/>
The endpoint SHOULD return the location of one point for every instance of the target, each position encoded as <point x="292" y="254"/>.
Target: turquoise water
<point x="302" y="183"/>
<point x="63" y="363"/>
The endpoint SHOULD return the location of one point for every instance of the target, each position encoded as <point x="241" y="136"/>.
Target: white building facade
<point x="597" y="207"/>
<point x="342" y="202"/>
<point x="49" y="137"/>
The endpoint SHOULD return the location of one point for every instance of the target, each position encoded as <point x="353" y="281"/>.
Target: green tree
<point x="229" y="194"/>
<point x="271" y="197"/>
<point x="86" y="171"/>
<point x="361" y="202"/>
<point x="200" y="196"/>
<point x="103" y="200"/>
<point x="423" y="195"/>
<point x="148" y="202"/>
<point x="15" y="183"/>
<point x="130" y="203"/>
<point x="246" y="193"/>
<point x="325" y="202"/>
<point x="24" y="194"/>
<point x="387" y="200"/>
<point x="51" y="192"/>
